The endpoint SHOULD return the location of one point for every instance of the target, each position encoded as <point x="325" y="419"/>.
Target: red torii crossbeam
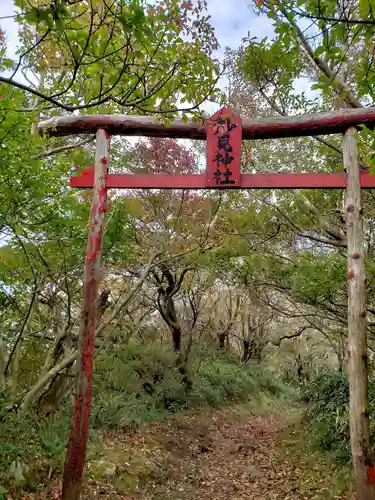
<point x="223" y="133"/>
<point x="246" y="181"/>
<point x="268" y="128"/>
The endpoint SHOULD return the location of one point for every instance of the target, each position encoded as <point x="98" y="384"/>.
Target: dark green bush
<point x="38" y="443"/>
<point x="327" y="408"/>
<point x="134" y="385"/>
<point x="142" y="383"/>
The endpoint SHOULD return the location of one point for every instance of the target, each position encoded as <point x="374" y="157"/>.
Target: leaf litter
<point x="211" y="456"/>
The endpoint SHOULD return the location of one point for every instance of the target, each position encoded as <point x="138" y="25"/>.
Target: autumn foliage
<point x="162" y="156"/>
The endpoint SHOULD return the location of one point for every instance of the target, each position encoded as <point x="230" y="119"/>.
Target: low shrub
<point x="143" y="383"/>
<point x="229" y="382"/>
<point x="135" y="385"/>
<point x="327" y="409"/>
<point x="31" y="448"/>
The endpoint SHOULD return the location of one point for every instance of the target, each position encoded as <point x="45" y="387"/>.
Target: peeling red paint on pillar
<point x="77" y="444"/>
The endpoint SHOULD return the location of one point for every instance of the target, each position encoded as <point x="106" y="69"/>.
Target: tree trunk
<point x="176" y="336"/>
<point x="76" y="452"/>
<point x="173" y="324"/>
<point x="222" y="338"/>
<point x="246" y="351"/>
<point x="300" y="370"/>
<point x="51" y="399"/>
<point x="15" y="366"/>
<point x="2" y="363"/>
<point x="182" y="364"/>
<point x="168" y="313"/>
<point x="357" y="332"/>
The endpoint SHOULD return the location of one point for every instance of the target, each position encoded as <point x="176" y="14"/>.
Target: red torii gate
<point x="224" y="132"/>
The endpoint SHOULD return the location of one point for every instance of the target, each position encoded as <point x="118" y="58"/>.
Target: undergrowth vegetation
<point x="131" y="387"/>
<point x="142" y="383"/>
<point x="327" y="405"/>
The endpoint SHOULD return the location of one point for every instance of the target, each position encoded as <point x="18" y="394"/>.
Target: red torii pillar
<point x="77" y="443"/>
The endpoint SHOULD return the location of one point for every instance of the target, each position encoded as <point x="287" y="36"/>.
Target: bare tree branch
<point x="61" y="149"/>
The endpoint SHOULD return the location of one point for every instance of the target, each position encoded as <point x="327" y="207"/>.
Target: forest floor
<point x="229" y="454"/>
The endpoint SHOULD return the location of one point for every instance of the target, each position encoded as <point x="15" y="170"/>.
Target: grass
<point x="317" y="476"/>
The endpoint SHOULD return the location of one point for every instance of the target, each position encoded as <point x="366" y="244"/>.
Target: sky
<point x="8" y="25"/>
<point x="233" y="19"/>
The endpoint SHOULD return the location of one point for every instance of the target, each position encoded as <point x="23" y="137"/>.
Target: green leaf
<point x="271" y="14"/>
<point x="7" y="63"/>
<point x="138" y="16"/>
<point x="364" y="9"/>
<point x="320" y="51"/>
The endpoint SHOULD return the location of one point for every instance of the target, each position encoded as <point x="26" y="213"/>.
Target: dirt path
<point x="217" y="456"/>
<point x="227" y="460"/>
